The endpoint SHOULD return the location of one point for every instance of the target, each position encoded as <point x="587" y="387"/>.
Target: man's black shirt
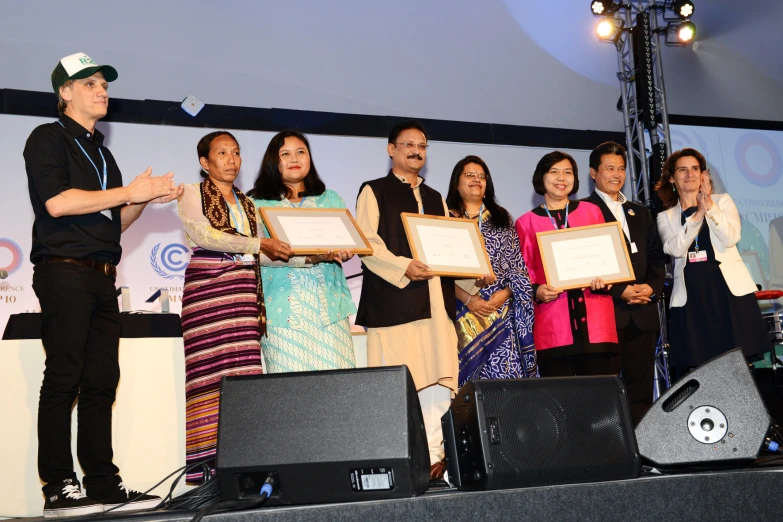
<point x="55" y="163"/>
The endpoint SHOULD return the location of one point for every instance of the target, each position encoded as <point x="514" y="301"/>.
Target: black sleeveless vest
<point x="381" y="303"/>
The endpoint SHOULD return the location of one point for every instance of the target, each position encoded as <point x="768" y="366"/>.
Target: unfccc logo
<point x="769" y="157"/>
<point x="173" y="258"/>
<point x="14" y="259"/>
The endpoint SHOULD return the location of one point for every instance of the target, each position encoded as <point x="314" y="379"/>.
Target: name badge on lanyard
<point x="696" y="257"/>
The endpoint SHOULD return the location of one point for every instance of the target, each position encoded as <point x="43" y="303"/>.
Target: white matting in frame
<point x="573" y="257"/>
<point x="315" y="230"/>
<point x="451" y="247"/>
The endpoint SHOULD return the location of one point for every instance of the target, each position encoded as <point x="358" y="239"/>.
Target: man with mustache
<point x="409" y="313"/>
<point x="81" y="207"/>
<point x="638" y="324"/>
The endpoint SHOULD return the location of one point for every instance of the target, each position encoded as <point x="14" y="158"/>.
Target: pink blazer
<point x="551" y="328"/>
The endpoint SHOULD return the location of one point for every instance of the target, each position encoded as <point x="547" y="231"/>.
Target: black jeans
<point x="636" y="362"/>
<point x="80" y="332"/>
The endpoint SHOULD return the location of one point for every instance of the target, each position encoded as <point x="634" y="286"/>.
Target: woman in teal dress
<point x="307" y="300"/>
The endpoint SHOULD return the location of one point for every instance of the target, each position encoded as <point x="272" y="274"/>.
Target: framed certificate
<point x="573" y="257"/>
<point x="451" y="247"/>
<point x="315" y="230"/>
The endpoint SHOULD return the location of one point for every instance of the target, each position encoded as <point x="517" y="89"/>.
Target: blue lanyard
<point x="105" y="172"/>
<point x="300" y="203"/>
<point x="481" y="213"/>
<point x="695" y="241"/>
<point x="554" y="223"/>
<point x="239" y="223"/>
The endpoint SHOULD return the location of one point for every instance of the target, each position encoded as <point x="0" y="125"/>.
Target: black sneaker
<point x="123" y="499"/>
<point x="66" y="499"/>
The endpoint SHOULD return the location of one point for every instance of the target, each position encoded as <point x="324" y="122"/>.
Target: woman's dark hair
<point x="269" y="182"/>
<point x="499" y="215"/>
<point x="546" y="163"/>
<point x="664" y="187"/>
<point x="205" y="144"/>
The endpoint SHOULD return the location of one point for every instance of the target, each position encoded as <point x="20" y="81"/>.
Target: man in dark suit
<point x="638" y="324"/>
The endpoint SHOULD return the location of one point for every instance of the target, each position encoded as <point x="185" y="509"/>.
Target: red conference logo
<point x="741" y="151"/>
<point x="16" y="255"/>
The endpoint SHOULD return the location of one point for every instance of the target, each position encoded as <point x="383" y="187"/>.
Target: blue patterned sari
<point x="499" y="346"/>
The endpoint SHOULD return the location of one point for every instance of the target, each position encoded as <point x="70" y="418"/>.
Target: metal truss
<point x="643" y="143"/>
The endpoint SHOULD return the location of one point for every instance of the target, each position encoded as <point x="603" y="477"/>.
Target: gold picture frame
<point x="573" y="257"/>
<point x="303" y="228"/>
<point x="451" y="247"/>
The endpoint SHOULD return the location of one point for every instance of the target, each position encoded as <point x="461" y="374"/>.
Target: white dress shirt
<point x="617" y="209"/>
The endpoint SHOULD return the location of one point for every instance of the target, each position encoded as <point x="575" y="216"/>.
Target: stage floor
<point x="738" y="495"/>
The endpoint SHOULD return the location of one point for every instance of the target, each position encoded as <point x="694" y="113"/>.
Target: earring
<point x="674" y="189"/>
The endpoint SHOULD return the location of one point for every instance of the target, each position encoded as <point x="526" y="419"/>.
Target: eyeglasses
<point x="475" y="175"/>
<point x="409" y="145"/>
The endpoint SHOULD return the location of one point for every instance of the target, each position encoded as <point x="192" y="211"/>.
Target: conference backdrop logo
<point x="170" y="261"/>
<point x="765" y="166"/>
<point x="16" y="257"/>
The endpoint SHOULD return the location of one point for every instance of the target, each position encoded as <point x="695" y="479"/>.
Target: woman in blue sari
<point x="495" y="326"/>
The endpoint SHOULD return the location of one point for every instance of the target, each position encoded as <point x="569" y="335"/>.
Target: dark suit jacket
<point x="648" y="263"/>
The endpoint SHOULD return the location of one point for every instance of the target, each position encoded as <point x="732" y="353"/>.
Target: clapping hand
<point x="145" y="188"/>
<point x="704" y="197"/>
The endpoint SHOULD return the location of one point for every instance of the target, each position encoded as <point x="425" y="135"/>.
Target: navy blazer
<point x="648" y="263"/>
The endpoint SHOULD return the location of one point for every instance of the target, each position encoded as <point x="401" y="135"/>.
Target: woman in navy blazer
<point x="713" y="306"/>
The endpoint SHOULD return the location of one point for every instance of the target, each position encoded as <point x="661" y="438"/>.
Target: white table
<point x="148" y="423"/>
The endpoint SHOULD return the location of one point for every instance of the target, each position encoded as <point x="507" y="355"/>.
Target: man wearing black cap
<point x="81" y="208"/>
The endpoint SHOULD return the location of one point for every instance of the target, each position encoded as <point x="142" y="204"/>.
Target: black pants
<point x="81" y="334"/>
<point x="636" y="362"/>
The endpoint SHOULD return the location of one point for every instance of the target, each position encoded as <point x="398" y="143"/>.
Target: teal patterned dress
<point x="307" y="308"/>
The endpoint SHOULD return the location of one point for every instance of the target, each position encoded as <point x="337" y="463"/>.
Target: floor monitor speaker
<point x="535" y="432"/>
<point x="713" y="414"/>
<point x="329" y="436"/>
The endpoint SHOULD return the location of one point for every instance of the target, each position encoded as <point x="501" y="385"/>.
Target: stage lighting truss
<point x="609" y="29"/>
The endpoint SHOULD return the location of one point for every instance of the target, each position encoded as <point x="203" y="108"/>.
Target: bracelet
<point x="468" y="300"/>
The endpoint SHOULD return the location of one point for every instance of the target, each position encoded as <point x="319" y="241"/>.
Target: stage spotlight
<point x="686" y="32"/>
<point x="602" y="7"/>
<point x="678" y="34"/>
<point x="683" y="8"/>
<point x="608" y="29"/>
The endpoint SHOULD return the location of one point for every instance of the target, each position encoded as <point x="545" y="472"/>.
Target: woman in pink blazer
<point x="574" y="331"/>
<point x="713" y="307"/>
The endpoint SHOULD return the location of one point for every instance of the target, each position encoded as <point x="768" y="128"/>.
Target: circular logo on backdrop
<point x="170" y="261"/>
<point x="16" y="256"/>
<point x="758" y="159"/>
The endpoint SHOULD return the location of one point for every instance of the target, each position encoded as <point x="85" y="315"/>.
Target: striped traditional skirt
<point x="222" y="337"/>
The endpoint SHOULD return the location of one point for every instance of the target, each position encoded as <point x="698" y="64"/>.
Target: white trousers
<point x="435" y="400"/>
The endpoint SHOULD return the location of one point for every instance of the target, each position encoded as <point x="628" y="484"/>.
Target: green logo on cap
<point x="87" y="61"/>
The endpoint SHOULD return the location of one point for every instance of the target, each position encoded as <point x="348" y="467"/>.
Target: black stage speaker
<point x="329" y="436"/>
<point x="712" y="415"/>
<point x="536" y="432"/>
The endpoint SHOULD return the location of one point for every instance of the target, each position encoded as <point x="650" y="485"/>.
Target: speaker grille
<point x="554" y="431"/>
